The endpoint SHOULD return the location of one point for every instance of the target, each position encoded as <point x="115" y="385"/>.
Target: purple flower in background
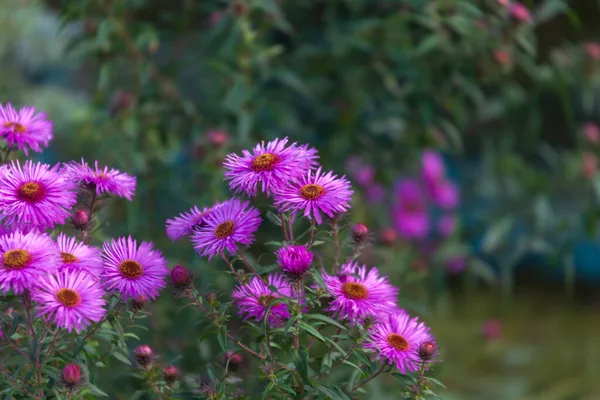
<point x="133" y="271"/>
<point x="446" y="225"/>
<point x="375" y="193"/>
<point x="456" y="265"/>
<point x="185" y="223"/>
<point x="353" y="164"/>
<point x="365" y="175"/>
<point x="316" y="193"/>
<point x="102" y="180"/>
<point x="397" y="340"/>
<point x="358" y="292"/>
<point x="433" y="167"/>
<point x="226" y="227"/>
<point x="410" y="214"/>
<point x="271" y="165"/>
<point x="24" y="128"/>
<point x="294" y="260"/>
<point x="72" y="300"/>
<point x="25" y="259"/>
<point x="76" y="256"/>
<point x="253" y="298"/>
<point x="35" y="194"/>
<point x="445" y="195"/>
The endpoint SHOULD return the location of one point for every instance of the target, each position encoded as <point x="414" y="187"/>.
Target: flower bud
<point x="180" y="277"/>
<point x="519" y="12"/>
<point x="359" y="233"/>
<point x="388" y="236"/>
<point x="80" y="219"/>
<point x="592" y="49"/>
<point x="71" y="374"/>
<point x="294" y="260"/>
<point x="218" y="138"/>
<point x="233" y="360"/>
<point x="427" y="351"/>
<point x="170" y="373"/>
<point x="143" y="355"/>
<point x="138" y="302"/>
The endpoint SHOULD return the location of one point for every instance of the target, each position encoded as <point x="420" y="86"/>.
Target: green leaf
<point x="311" y="331"/>
<point x="325" y="319"/>
<point x="121" y="357"/>
<point x="274" y="218"/>
<point x="333" y="392"/>
<point x="94" y="389"/>
<point x="222" y="337"/>
<point x="433" y="380"/>
<point x="301" y="363"/>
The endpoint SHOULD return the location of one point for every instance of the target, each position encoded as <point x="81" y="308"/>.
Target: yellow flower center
<point x="31" y="192"/>
<point x="68" y="258"/>
<point x="265" y="162"/>
<point x="355" y="290"/>
<point x="16" y="259"/>
<point x="312" y="191"/>
<point x="16" y="127"/>
<point x="224" y="230"/>
<point x="131" y="269"/>
<point x="398" y="342"/>
<point x="68" y="297"/>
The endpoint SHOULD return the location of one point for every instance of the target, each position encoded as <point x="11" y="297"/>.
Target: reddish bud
<point x="519" y="12"/>
<point x="138" y="302"/>
<point x="80" y="219"/>
<point x="592" y="50"/>
<point x="218" y="138"/>
<point x="503" y="57"/>
<point x="427" y="351"/>
<point x="71" y="374"/>
<point x="143" y="355"/>
<point x="492" y="329"/>
<point x="234" y="360"/>
<point x="180" y="277"/>
<point x="170" y="373"/>
<point x="590" y="165"/>
<point x="591" y="132"/>
<point x="359" y="233"/>
<point x="388" y="236"/>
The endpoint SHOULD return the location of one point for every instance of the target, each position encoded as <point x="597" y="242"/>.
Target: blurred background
<point x="503" y="262"/>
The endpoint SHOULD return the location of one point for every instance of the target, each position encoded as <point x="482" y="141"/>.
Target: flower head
<point x="272" y="165"/>
<point x="410" y="214"/>
<point x="72" y="300"/>
<point x="103" y="180"/>
<point x="445" y="194"/>
<point x="358" y="292"/>
<point x="35" y="194"/>
<point x="294" y="260"/>
<point x="185" y="223"/>
<point x="133" y="270"/>
<point x="231" y="224"/>
<point x="254" y="297"/>
<point x="25" y="128"/>
<point x="519" y="12"/>
<point x="25" y="259"/>
<point x="315" y="193"/>
<point x="397" y="339"/>
<point x="71" y="375"/>
<point x="78" y="256"/>
<point x="433" y="167"/>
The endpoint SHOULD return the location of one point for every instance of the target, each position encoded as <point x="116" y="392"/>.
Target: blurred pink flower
<point x="503" y="57"/>
<point x="364" y="175"/>
<point x="504" y="3"/>
<point x="433" y="167"/>
<point x="492" y="329"/>
<point x="590" y="165"/>
<point x="446" y="225"/>
<point x="375" y="193"/>
<point x="445" y="194"/>
<point x="592" y="49"/>
<point x="353" y="164"/>
<point x="456" y="265"/>
<point x="591" y="131"/>
<point x="215" y="17"/>
<point x="410" y="214"/>
<point x="519" y="12"/>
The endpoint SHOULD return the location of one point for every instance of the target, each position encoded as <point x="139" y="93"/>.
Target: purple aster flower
<point x="26" y="257"/>
<point x="294" y="260"/>
<point x="316" y="193"/>
<point x="103" y="180"/>
<point x="445" y="194"/>
<point x="231" y="224"/>
<point x="25" y="128"/>
<point x="186" y="223"/>
<point x="358" y="292"/>
<point x="433" y="167"/>
<point x="72" y="300"/>
<point x="253" y="298"/>
<point x="76" y="256"/>
<point x="397" y="340"/>
<point x="375" y="193"/>
<point x="410" y="214"/>
<point x="35" y="194"/>
<point x="133" y="271"/>
<point x="272" y="165"/>
<point x="365" y="175"/>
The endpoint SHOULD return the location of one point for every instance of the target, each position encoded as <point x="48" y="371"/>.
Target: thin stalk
<point x="369" y="379"/>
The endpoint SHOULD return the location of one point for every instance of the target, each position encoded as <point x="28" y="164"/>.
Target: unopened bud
<point x="143" y="355"/>
<point x="170" y="373"/>
<point x="80" y="219"/>
<point x="233" y="360"/>
<point x="218" y="138"/>
<point x="427" y="351"/>
<point x="180" y="277"/>
<point x="359" y="233"/>
<point x="388" y="236"/>
<point x="71" y="374"/>
<point x="138" y="302"/>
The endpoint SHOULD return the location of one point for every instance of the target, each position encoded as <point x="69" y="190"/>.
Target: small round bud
<point x="138" y="302"/>
<point x="233" y="360"/>
<point x="360" y="232"/>
<point x="71" y="375"/>
<point x="143" y="355"/>
<point x="80" y="219"/>
<point x="388" y="237"/>
<point x="170" y="373"/>
<point x="180" y="277"/>
<point x="427" y="351"/>
<point x="218" y="138"/>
